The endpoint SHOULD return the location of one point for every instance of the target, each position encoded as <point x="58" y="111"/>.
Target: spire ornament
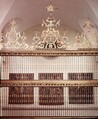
<point x="51" y="38"/>
<point x="50" y="8"/>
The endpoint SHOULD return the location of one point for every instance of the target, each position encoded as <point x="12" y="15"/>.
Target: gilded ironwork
<point x="64" y="83"/>
<point x="50" y="37"/>
<point x="81" y="52"/>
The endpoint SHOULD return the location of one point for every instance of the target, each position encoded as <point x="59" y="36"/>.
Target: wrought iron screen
<point x="51" y="95"/>
<point x="21" y="95"/>
<point x="81" y="95"/>
<point x="32" y="85"/>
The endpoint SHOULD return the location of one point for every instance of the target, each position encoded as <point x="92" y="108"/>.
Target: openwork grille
<point x="51" y="95"/>
<point x="37" y="86"/>
<point x="21" y="95"/>
<point x="81" y="95"/>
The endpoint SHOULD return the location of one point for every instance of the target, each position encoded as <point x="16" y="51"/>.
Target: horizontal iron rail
<point x="38" y="83"/>
<point x="51" y="53"/>
<point x="50" y="108"/>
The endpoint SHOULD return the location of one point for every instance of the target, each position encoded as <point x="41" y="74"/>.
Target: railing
<point x="81" y="52"/>
<point x="49" y="97"/>
<point x="40" y="107"/>
<point x="38" y="83"/>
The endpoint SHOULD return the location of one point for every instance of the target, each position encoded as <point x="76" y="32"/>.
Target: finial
<point x="88" y="24"/>
<point x="50" y="8"/>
